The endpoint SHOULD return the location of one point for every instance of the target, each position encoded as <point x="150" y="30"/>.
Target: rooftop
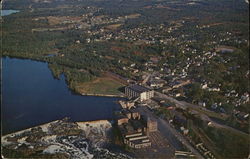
<point x="137" y="124"/>
<point x="138" y="88"/>
<point x="133" y="110"/>
<point x="141" y="141"/>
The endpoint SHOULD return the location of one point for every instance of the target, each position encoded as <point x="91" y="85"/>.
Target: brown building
<point x="127" y="104"/>
<point x="122" y="121"/>
<point x="135" y="114"/>
<point x="127" y="113"/>
<point x="133" y="129"/>
<point x="151" y="125"/>
<point x="137" y="141"/>
<point x="131" y="114"/>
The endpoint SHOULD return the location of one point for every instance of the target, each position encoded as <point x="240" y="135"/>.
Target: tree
<point x="196" y="92"/>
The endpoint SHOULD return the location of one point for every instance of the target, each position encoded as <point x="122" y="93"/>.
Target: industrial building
<point x="137" y="140"/>
<point x="138" y="91"/>
<point x="151" y="125"/>
<point x="127" y="104"/>
<point x="135" y="128"/>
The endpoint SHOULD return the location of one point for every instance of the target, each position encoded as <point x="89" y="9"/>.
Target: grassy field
<point x="229" y="144"/>
<point x="223" y="143"/>
<point x="100" y="85"/>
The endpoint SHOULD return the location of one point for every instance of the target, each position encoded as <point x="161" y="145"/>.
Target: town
<point x="182" y="67"/>
<point x="141" y="128"/>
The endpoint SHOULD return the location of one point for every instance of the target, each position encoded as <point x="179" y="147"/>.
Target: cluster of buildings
<point x="175" y="70"/>
<point x="134" y="127"/>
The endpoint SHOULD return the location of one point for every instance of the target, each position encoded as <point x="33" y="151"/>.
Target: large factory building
<point x="134" y="91"/>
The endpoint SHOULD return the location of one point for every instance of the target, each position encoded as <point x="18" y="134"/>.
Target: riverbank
<point x="44" y="98"/>
<point x="43" y="126"/>
<point x="101" y="86"/>
<point x="103" y="95"/>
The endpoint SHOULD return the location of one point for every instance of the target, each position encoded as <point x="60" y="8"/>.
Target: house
<point x="242" y="115"/>
<point x="179" y="119"/>
<point x="156" y="83"/>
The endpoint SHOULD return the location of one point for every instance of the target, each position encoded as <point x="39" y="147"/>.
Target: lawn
<point x="100" y="85"/>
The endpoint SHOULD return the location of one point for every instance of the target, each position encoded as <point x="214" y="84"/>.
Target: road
<point x="181" y="104"/>
<point x="148" y="77"/>
<point x="172" y="135"/>
<point x="204" y="117"/>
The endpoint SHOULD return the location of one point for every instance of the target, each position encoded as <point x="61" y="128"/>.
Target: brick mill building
<point x="135" y="128"/>
<point x="138" y="91"/>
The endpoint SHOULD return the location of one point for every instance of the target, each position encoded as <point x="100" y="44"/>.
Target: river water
<point x="31" y="96"/>
<point x="8" y="12"/>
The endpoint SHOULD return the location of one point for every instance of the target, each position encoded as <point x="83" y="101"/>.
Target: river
<point x="8" y="12"/>
<point x="31" y="96"/>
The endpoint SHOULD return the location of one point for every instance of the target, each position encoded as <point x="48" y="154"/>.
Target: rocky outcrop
<point x="60" y="139"/>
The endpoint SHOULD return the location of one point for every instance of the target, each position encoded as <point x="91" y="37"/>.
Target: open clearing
<point x="101" y="85"/>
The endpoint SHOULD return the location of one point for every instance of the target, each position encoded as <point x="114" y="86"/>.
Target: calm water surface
<point x="31" y="96"/>
<point x="8" y="12"/>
